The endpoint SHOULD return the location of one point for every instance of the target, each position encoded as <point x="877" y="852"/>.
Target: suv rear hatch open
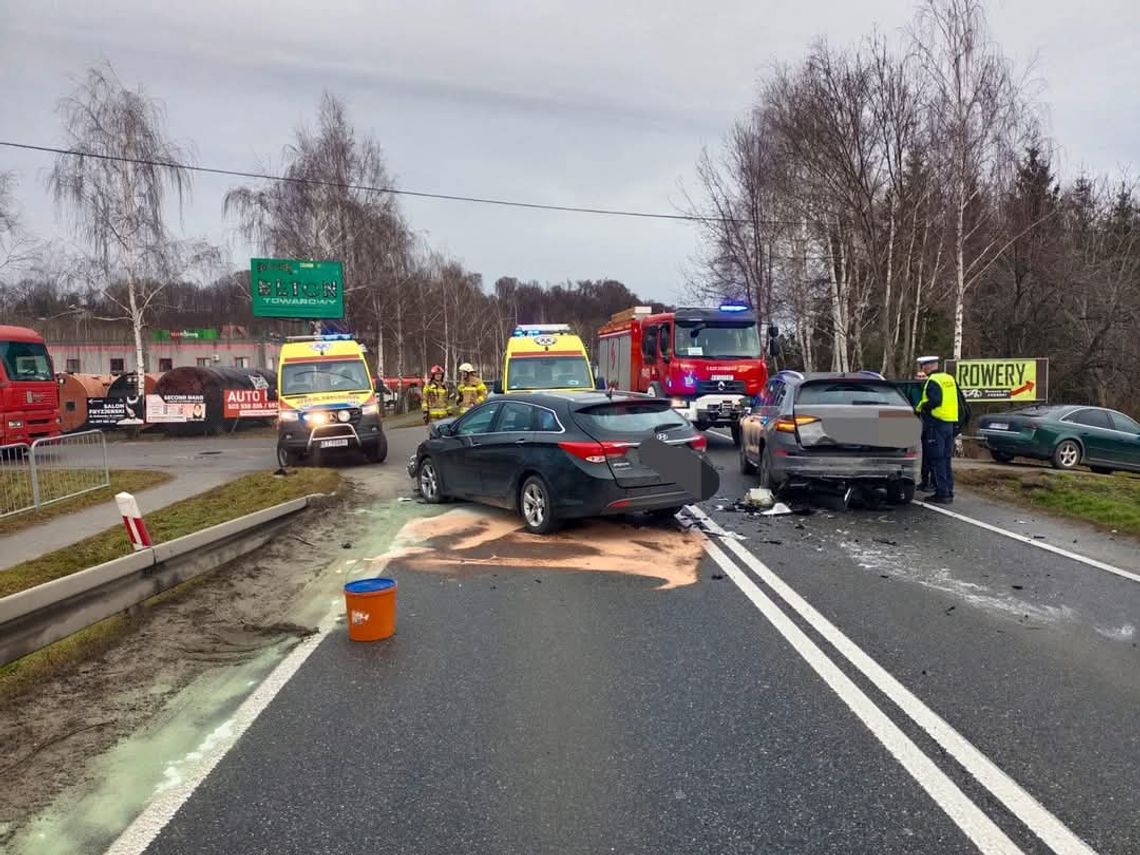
<point x="622" y="424"/>
<point x="854" y="415"/>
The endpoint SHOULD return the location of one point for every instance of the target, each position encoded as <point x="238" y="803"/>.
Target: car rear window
<point x="628" y="417"/>
<point x="847" y="392"/>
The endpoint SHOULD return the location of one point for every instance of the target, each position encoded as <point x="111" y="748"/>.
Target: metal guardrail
<point x="39" y="616"/>
<point x="17" y="491"/>
<point x="52" y="469"/>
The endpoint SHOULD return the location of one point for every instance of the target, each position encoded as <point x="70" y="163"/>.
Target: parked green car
<point x="1065" y="434"/>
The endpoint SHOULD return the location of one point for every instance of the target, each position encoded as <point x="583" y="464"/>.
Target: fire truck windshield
<point x="25" y="360"/>
<point x="717" y="340"/>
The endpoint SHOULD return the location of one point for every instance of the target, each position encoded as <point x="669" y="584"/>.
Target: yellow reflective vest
<point x="947" y="411"/>
<point x="470" y="392"/>
<point x="434" y="401"/>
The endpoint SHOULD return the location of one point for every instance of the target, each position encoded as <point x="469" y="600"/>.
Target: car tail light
<point x="699" y="442"/>
<point x="595" y="452"/>
<point x="790" y="425"/>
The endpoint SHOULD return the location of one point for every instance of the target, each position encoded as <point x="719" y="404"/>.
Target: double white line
<point x="973" y="822"/>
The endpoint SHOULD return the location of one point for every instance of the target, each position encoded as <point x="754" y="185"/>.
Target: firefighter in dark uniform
<point x="940" y="409"/>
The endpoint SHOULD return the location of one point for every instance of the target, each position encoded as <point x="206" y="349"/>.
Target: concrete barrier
<point x="52" y="611"/>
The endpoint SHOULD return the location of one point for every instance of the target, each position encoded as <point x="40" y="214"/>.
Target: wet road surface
<point x="886" y="681"/>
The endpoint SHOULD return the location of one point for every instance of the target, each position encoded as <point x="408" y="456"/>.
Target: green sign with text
<point x="285" y="288"/>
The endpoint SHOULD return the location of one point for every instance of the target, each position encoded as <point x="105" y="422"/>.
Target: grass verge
<point x="1111" y="502"/>
<point x="131" y="480"/>
<point x="244" y="496"/>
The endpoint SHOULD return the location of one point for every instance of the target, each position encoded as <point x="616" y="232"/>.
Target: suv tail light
<point x="594" y="452"/>
<point x="699" y="442"/>
<point x="790" y="425"/>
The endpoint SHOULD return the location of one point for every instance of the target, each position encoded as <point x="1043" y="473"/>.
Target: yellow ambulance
<point x="546" y="357"/>
<point x="326" y="400"/>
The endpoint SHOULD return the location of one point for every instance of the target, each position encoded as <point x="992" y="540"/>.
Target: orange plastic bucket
<point x="370" y="608"/>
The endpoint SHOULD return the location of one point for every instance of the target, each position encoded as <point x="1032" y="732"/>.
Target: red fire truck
<point x="29" y="394"/>
<point x="708" y="361"/>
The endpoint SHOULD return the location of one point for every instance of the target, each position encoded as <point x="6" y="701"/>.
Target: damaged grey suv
<point x="844" y="433"/>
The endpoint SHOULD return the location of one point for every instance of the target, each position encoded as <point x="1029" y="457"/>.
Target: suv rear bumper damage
<point x="804" y="468"/>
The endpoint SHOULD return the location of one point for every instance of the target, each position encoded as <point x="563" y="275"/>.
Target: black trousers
<point x="938" y="448"/>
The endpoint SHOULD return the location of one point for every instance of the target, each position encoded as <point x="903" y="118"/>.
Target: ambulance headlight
<point x="317" y="418"/>
<point x="343" y="416"/>
<point x="288" y="415"/>
<point x="370" y="409"/>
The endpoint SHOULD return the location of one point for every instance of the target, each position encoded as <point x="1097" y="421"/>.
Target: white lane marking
<point x="1011" y="794"/>
<point x="1021" y="538"/>
<point x="146" y="827"/>
<point x="720" y="433"/>
<point x="975" y="824"/>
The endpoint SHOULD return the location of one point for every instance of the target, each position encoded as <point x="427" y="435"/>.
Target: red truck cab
<point x="708" y="361"/>
<point x="29" y="393"/>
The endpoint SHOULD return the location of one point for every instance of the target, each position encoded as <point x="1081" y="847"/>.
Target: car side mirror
<point x="497" y="388"/>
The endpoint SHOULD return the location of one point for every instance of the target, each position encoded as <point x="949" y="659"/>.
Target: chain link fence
<point x="50" y="470"/>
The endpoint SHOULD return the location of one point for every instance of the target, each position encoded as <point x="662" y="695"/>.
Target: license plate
<point x="334" y="443"/>
<point x="999" y="426"/>
<point x="721" y="377"/>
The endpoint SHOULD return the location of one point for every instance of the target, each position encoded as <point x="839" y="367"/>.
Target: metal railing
<point x="50" y="470"/>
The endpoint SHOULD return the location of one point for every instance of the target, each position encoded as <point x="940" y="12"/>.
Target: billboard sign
<point x="1022" y="381"/>
<point x="288" y="288"/>
<point x="175" y="409"/>
<point x="114" y="412"/>
<point x="249" y="404"/>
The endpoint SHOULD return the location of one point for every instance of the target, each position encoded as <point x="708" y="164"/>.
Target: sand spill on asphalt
<point x="477" y="538"/>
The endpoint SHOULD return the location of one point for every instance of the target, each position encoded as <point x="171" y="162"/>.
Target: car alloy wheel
<point x="534" y="505"/>
<point x="429" y="481"/>
<point x="1067" y="455"/>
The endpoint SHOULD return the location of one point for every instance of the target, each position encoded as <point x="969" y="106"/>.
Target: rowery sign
<point x="285" y="288"/>
<point x="1019" y="380"/>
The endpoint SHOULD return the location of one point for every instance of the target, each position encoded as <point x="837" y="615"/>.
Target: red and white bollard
<point x="132" y="519"/>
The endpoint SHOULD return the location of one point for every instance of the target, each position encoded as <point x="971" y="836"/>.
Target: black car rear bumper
<point x="609" y="499"/>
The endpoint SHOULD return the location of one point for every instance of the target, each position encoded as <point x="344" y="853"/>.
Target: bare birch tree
<point x="116" y="206"/>
<point x="975" y="110"/>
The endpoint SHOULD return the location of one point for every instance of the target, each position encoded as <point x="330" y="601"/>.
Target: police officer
<point x="926" y="484"/>
<point x="471" y="390"/>
<point x="434" y="399"/>
<point x="940" y="409"/>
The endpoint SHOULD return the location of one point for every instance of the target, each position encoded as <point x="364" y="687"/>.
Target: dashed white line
<point x="1021" y="538"/>
<point x="1024" y="806"/>
<point x="971" y="819"/>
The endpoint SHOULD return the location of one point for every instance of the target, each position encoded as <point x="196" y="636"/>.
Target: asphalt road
<point x="887" y="681"/>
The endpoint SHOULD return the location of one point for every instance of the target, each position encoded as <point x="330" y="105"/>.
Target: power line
<point x="449" y="197"/>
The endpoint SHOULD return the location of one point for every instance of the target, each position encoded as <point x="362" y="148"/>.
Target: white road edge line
<point x="1048" y="547"/>
<point x="972" y="820"/>
<point x="146" y="827"/>
<point x="1020" y="803"/>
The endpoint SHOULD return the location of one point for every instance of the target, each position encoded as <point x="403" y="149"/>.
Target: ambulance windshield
<point x="548" y="372"/>
<point x="717" y="340"/>
<point x="309" y="378"/>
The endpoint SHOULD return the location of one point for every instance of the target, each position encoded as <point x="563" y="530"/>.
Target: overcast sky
<point x="603" y="104"/>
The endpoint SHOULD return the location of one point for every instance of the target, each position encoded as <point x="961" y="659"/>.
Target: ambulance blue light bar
<point x="733" y="307"/>
<point x="539" y="329"/>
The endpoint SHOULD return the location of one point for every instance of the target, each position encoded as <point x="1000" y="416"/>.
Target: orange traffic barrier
<point x="370" y="606"/>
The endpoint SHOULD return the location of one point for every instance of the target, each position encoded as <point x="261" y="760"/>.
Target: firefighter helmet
<point x="467" y="368"/>
<point x="436" y="369"/>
